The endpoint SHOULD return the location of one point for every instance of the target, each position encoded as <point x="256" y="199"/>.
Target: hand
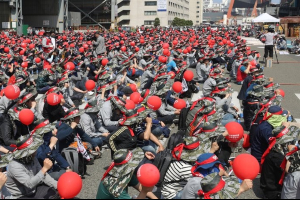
<point x="223" y="172"/>
<point x="177" y="112"/>
<point x="246" y="185"/>
<point x="54" y="132"/>
<point x="149" y="120"/>
<point x="88" y="69"/>
<point x="53" y="141"/>
<point x="84" y="92"/>
<point x="225" y="133"/>
<point x="227" y="96"/>
<point x="47" y="164"/>
<point x="69" y="170"/>
<point x="162" y="124"/>
<point x="277" y="92"/>
<point x="97" y="149"/>
<point x="3" y="179"/>
<point x="271" y="79"/>
<point x="33" y="104"/>
<point x="235" y="108"/>
<point x="105" y="134"/>
<point x="149" y="155"/>
<point x="286" y="124"/>
<point x="160" y="149"/>
<point x="73" y="125"/>
<point x="125" y="73"/>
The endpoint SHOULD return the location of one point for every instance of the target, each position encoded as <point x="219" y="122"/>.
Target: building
<point x="196" y="11"/>
<point x="54" y="14"/>
<point x="207" y="4"/>
<point x="143" y="12"/>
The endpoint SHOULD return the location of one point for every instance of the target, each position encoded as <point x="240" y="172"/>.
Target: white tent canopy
<point x="265" y="18"/>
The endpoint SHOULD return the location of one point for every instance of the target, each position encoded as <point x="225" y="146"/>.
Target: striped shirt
<point x="178" y="170"/>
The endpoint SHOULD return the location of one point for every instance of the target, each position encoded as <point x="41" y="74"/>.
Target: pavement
<point x="287" y="73"/>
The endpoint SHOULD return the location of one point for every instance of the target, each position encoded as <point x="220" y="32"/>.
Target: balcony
<point x="123" y="8"/>
<point x="124" y="18"/>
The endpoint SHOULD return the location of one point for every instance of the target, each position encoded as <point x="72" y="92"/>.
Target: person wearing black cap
<point x="269" y="44"/>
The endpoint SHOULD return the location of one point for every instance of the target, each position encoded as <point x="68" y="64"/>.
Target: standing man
<point x="53" y="40"/>
<point x="47" y="44"/>
<point x="99" y="44"/>
<point x="269" y="45"/>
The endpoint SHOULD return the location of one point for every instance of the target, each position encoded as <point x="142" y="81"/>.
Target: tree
<point x="176" y="21"/>
<point x="189" y="23"/>
<point x="157" y="22"/>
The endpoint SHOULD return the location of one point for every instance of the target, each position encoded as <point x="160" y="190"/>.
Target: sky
<point x="273" y="1"/>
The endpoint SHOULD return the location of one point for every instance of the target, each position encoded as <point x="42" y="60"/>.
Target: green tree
<point x="189" y="23"/>
<point x="157" y="22"/>
<point x="176" y="21"/>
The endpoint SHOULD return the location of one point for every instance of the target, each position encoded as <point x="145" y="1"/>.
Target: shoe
<point x="96" y="154"/>
<point x="176" y="121"/>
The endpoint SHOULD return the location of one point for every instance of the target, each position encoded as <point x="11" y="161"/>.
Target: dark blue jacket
<point x="44" y="152"/>
<point x="66" y="136"/>
<point x="260" y="141"/>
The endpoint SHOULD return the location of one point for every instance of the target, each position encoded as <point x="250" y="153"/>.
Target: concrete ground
<point x="286" y="73"/>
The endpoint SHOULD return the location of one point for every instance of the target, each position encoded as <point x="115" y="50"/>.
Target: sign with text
<point x="162" y="5"/>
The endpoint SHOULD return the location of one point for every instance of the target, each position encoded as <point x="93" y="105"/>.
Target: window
<point x="150" y="13"/>
<point x="148" y="22"/>
<point x="150" y="3"/>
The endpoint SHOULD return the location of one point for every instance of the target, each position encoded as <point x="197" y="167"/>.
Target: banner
<point x="162" y="5"/>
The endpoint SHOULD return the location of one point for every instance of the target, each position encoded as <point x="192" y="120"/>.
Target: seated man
<point x="89" y="122"/>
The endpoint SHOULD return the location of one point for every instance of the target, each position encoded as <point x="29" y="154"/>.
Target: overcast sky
<point x="273" y="1"/>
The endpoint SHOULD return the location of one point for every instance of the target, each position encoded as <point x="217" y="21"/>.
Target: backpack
<point x="75" y="160"/>
<point x="230" y="63"/>
<point x="175" y="139"/>
<point x="163" y="161"/>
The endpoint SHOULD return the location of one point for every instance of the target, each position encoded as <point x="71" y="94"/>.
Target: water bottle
<point x="290" y="118"/>
<point x="85" y="99"/>
<point x="241" y="115"/>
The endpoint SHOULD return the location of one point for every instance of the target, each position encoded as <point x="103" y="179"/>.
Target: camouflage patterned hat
<point x="104" y="75"/>
<point x="283" y="135"/>
<point x="146" y="94"/>
<point x="215" y="187"/>
<point x="257" y="91"/>
<point x="27" y="96"/>
<point x="162" y="88"/>
<point x="27" y="145"/>
<point x="5" y="159"/>
<point x="131" y="117"/>
<point x="118" y="103"/>
<point x="119" y="174"/>
<point x="189" y="150"/>
<point x="92" y="107"/>
<point x="143" y="112"/>
<point x="72" y="113"/>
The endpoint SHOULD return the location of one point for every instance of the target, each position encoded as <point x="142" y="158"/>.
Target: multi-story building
<point x="207" y="4"/>
<point x="196" y="11"/>
<point x="143" y="12"/>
